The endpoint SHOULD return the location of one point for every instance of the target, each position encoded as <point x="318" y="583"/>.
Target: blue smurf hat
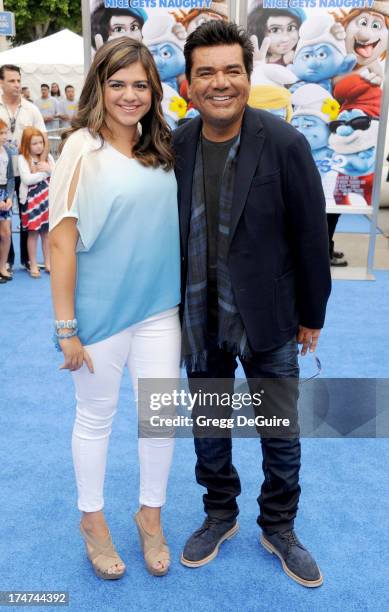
<point x="297" y="12"/>
<point x="139" y="13"/>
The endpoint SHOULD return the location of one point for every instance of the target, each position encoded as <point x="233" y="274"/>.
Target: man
<point x="17" y="113"/>
<point x="256" y="278"/>
<point x="67" y="107"/>
<point x="26" y="94"/>
<point x="48" y="106"/>
<point x="337" y="258"/>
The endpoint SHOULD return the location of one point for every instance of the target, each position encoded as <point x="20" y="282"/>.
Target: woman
<point x="115" y="279"/>
<point x="55" y="91"/>
<point x="281" y="26"/>
<point x="108" y="23"/>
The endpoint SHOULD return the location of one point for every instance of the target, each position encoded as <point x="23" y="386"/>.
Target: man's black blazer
<point x="278" y="254"/>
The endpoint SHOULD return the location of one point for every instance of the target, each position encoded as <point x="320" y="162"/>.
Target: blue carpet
<point x="355" y="224"/>
<point x="344" y="508"/>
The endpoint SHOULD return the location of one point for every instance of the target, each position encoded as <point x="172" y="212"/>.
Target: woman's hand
<point x="260" y="53"/>
<point x="74" y="355"/>
<point x="3" y="205"/>
<point x="8" y="204"/>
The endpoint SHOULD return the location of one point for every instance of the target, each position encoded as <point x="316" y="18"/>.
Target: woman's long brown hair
<point x="153" y="147"/>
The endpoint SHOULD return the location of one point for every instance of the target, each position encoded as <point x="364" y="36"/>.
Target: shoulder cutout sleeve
<point x="67" y="199"/>
<point x="61" y="178"/>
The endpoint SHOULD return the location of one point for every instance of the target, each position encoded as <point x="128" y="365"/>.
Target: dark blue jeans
<point x="23" y="235"/>
<point x="280" y="491"/>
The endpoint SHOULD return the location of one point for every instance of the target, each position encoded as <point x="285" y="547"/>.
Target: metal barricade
<point x="54" y="138"/>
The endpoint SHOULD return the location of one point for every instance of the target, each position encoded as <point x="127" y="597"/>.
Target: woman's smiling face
<point x="127" y="96"/>
<point x="283" y="34"/>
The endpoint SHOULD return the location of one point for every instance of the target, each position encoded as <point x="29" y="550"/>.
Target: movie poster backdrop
<point x="163" y="26"/>
<point x="320" y="66"/>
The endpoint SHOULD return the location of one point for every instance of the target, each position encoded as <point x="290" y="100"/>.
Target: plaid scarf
<point x="231" y="333"/>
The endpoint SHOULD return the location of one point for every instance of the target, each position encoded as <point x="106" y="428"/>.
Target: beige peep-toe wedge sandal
<point x="102" y="555"/>
<point x="154" y="548"/>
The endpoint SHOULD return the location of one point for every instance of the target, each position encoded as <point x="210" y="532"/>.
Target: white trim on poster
<point x="243" y="4"/>
<point x="349" y="210"/>
<point x="380" y="153"/>
<point x="233" y="10"/>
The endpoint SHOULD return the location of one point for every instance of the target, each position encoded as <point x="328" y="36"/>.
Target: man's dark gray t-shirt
<point x="214" y="159"/>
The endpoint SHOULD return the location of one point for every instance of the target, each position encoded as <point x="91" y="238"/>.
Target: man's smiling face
<point x="219" y="86"/>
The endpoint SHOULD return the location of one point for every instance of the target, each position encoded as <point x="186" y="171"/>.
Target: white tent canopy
<point x="57" y="58"/>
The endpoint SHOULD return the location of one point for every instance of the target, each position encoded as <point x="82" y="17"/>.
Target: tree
<point x="37" y="18"/>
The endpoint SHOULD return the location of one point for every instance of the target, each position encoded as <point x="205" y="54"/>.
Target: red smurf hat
<point x="354" y="92"/>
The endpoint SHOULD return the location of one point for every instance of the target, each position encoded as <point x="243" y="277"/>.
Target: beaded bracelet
<point x="57" y="337"/>
<point x="70" y="324"/>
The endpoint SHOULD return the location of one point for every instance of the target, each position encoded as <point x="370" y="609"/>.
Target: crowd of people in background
<point x="57" y="110"/>
<point x="27" y="129"/>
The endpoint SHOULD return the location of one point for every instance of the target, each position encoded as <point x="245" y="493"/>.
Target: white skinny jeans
<point x="151" y="349"/>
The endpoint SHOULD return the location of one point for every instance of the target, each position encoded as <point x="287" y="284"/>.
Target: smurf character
<point x="321" y="52"/>
<point x="174" y="107"/>
<point x="108" y="23"/>
<point x="314" y="109"/>
<point x="191" y="112"/>
<point x="354" y="138"/>
<point x="193" y="19"/>
<point x="277" y="100"/>
<point x="165" y="40"/>
<point x="281" y="26"/>
<point x="367" y="37"/>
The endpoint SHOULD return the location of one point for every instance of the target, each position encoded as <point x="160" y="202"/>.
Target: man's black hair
<point x="10" y="67"/>
<point x="45" y="85"/>
<point x="218" y="32"/>
<point x="68" y="87"/>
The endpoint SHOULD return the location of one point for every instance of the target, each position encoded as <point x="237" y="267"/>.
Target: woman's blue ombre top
<point x="128" y="254"/>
